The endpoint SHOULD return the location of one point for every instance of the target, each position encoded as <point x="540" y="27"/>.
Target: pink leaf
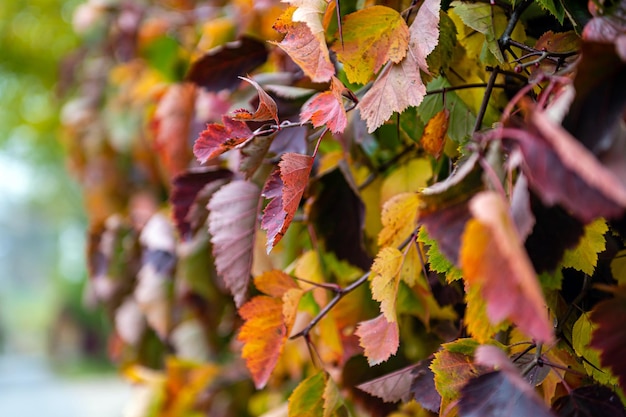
<point x="327" y="108"/>
<point x="379" y="338"/>
<point x="232" y="220"/>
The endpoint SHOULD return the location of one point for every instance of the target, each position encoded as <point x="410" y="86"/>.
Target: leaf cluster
<point x="313" y="208"/>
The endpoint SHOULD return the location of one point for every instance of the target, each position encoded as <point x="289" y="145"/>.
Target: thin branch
<point x="505" y="39"/>
<point x="342" y="292"/>
<point x="486" y="98"/>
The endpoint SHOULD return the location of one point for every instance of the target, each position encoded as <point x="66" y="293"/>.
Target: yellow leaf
<point x="585" y="256"/>
<point x="399" y="219"/>
<point x="476" y="319"/>
<point x="371" y="38"/>
<point x="385" y="279"/>
<point x="275" y="283"/>
<point x="410" y="177"/>
<point x="618" y="267"/>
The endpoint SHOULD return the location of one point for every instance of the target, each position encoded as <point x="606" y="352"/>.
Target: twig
<point x="505" y="39"/>
<point x="486" y="98"/>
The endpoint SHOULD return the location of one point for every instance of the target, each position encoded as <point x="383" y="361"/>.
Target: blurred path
<point x="28" y="388"/>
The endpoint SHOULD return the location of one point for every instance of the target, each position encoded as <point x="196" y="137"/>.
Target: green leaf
<point x="585" y="256"/>
<point x="482" y="17"/>
<point x="439" y="59"/>
<point x="555" y="8"/>
<point x="618" y="267"/>
<point x="581" y="338"/>
<point x="436" y="260"/>
<point x="307" y="400"/>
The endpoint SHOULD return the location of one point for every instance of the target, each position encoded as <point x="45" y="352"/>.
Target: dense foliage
<point x="314" y="208"/>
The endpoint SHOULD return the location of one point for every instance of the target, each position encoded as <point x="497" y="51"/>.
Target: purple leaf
<point x="185" y="189"/>
<point x="232" y="220"/>
<point x="590" y="401"/>
<point x="220" y="68"/>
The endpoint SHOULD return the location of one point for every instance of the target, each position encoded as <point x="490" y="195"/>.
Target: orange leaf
<point x="267" y="109"/>
<point x="435" y="131"/>
<point x="274" y="283"/>
<point x="306" y="49"/>
<point x="380" y="339"/>
<point x="327" y="108"/>
<point x="263" y="334"/>
<point x="493" y="257"/>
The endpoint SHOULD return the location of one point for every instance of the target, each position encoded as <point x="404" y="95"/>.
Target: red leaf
<point x="218" y="69"/>
<point x="610" y="335"/>
<point x="284" y="188"/>
<point x="327" y="108"/>
<point x="232" y="221"/>
<point x="185" y="189"/>
<point x="379" y="338"/>
<point x="267" y="110"/>
<point x="217" y="139"/>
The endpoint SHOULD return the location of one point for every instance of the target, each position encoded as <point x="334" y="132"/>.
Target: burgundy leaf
<point x="274" y="215"/>
<point x="590" y="401"/>
<point x="217" y="139"/>
<point x="339" y="216"/>
<point x="610" y="335"/>
<point x="600" y="100"/>
<point x="266" y="110"/>
<point x="185" y="189"/>
<point x="232" y="221"/>
<point x="220" y="67"/>
<point x="446" y="226"/>
<point x="500" y="394"/>
<point x="554" y="232"/>
<point x="562" y="171"/>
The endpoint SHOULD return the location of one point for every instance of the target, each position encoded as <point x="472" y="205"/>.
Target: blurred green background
<point x="42" y="225"/>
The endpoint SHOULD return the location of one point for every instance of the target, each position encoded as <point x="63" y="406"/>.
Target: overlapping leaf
<point x="232" y="221"/>
<point x="385" y="280"/>
<point x="396" y="211"/>
<point x="372" y="37"/>
<point x="219" y="68"/>
<point x="284" y="189"/>
<point x="305" y="48"/>
<point x="217" y="139"/>
<point x="327" y="108"/>
<point x="267" y="109"/>
<point x="268" y="319"/>
<point x="493" y="257"/>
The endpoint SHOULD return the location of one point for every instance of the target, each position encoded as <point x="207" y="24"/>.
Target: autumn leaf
<point x="171" y="123"/>
<point x="284" y="189"/>
<point x="267" y="109"/>
<point x="304" y="47"/>
<point x="500" y="394"/>
<point x="396" y="211"/>
<point x="434" y="135"/>
<point x="607" y="336"/>
<point x="411" y="176"/>
<point x="452" y="368"/>
<point x="253" y="153"/>
<point x="219" y="68"/>
<point x="307" y="400"/>
<point x="590" y="400"/>
<point x="413" y="382"/>
<point x="372" y="332"/>
<point x="385" y="278"/>
<point x="371" y="37"/>
<point x="263" y="334"/>
<point x="232" y="221"/>
<point x="436" y="260"/>
<point x="397" y="87"/>
<point x="585" y="256"/>
<point x="424" y="32"/>
<point x="185" y="190"/>
<point x="217" y="139"/>
<point x="327" y="108"/>
<point x="493" y="257"/>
